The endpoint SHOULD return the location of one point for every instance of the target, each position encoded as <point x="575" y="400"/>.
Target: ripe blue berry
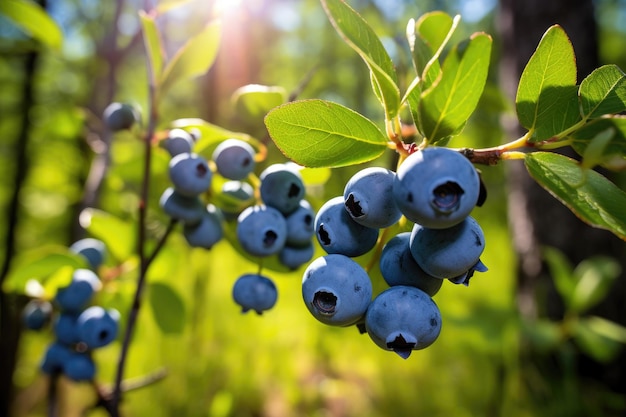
<point x="65" y="328"/>
<point x="368" y="197"/>
<point x="337" y="232"/>
<point x="281" y="187"/>
<point x="207" y="232"/>
<point x="436" y="187"/>
<point x="119" y="116"/>
<point x="190" y="174"/>
<point x="179" y="207"/>
<point x="56" y="356"/>
<point x="97" y="327"/>
<point x="78" y="293"/>
<point x="36" y="314"/>
<point x="336" y="290"/>
<point x="403" y="319"/>
<point x="93" y="250"/>
<point x="178" y="141"/>
<point x="261" y="230"/>
<point x="295" y="256"/>
<point x="398" y="267"/>
<point x="235" y="196"/>
<point x="255" y="292"/>
<point x="79" y="367"/>
<point x="234" y="159"/>
<point x="448" y="253"/>
<point x="301" y="225"/>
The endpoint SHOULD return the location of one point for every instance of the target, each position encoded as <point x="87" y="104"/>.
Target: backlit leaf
<point x="614" y="152"/>
<point x="547" y="96"/>
<point x="603" y="92"/>
<point x="152" y="44"/>
<point x="318" y="133"/>
<point x="118" y="235"/>
<point x="358" y="34"/>
<point x="445" y="107"/>
<point x="194" y="58"/>
<point x="33" y="20"/>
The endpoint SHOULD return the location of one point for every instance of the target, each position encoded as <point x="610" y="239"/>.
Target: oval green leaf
<point x="603" y="92"/>
<point x="318" y="133"/>
<point x="168" y="308"/>
<point x="118" y="235"/>
<point x="152" y="45"/>
<point x="589" y="195"/>
<point x="194" y="58"/>
<point x="39" y="265"/>
<point x="613" y="153"/>
<point x="595" y="277"/>
<point x="253" y="101"/>
<point x="33" y="20"/>
<point x="359" y="35"/>
<point x="547" y="96"/>
<point x="445" y="107"/>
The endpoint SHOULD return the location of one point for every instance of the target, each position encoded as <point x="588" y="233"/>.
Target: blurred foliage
<point x="284" y="363"/>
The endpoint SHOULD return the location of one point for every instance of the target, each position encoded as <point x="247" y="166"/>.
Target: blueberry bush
<point x="363" y="229"/>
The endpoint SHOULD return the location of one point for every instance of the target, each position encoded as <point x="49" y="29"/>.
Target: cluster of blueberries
<point x="279" y="222"/>
<point x="436" y="189"/>
<point x="78" y="326"/>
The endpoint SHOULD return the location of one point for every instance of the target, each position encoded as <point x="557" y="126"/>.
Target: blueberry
<point x="295" y="256"/>
<point x="368" y="197"/>
<point x="436" y="187"/>
<point x="234" y="159"/>
<point x="337" y="232"/>
<point x="235" y="196"/>
<point x="207" y="232"/>
<point x="97" y="327"/>
<point x="36" y="314"/>
<point x="403" y="319"/>
<point x="56" y="356"/>
<point x="65" y="328"/>
<point x="79" y="367"/>
<point x="282" y="187"/>
<point x="465" y="277"/>
<point x="119" y="116"/>
<point x="255" y="292"/>
<point x="398" y="267"/>
<point x="93" y="250"/>
<point x="448" y="253"/>
<point x="190" y="174"/>
<point x="301" y="225"/>
<point x="178" y="141"/>
<point x="336" y="290"/>
<point x="261" y="230"/>
<point x="179" y="207"/>
<point x="78" y="293"/>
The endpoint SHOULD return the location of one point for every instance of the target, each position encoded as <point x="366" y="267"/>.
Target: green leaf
<point x="589" y="195"/>
<point x="590" y="335"/>
<point x="33" y="19"/>
<point x="613" y="155"/>
<point x="562" y="273"/>
<point x="318" y="133"/>
<point x="595" y="277"/>
<point x="544" y="334"/>
<point x="168" y="308"/>
<point x="118" y="235"/>
<point x="39" y="265"/>
<point x="358" y="34"/>
<point x="607" y="328"/>
<point x="254" y="101"/>
<point x="595" y="150"/>
<point x="194" y="58"/>
<point x="547" y="96"/>
<point x="153" y="46"/>
<point x="445" y="107"/>
<point x="603" y="92"/>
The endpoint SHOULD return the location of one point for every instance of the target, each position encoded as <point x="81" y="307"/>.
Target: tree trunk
<point x="537" y="219"/>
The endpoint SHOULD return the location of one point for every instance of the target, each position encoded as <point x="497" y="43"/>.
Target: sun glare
<point x="223" y="6"/>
